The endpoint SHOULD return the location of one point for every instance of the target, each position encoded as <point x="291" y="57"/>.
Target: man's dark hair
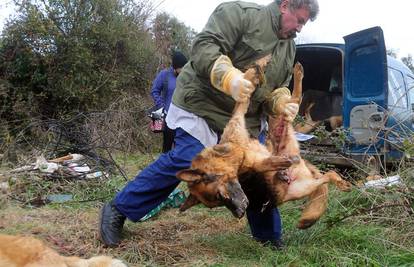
<point x="178" y="60"/>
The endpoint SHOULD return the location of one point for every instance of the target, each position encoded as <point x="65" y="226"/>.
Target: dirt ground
<point x="171" y="238"/>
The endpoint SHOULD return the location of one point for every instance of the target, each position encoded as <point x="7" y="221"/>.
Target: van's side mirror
<point x="412" y="106"/>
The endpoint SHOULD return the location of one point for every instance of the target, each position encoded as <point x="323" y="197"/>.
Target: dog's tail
<point x="315" y="208"/>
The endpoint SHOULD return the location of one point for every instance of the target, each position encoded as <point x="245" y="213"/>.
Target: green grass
<point x="351" y="233"/>
<point x="360" y="228"/>
<point x="348" y="244"/>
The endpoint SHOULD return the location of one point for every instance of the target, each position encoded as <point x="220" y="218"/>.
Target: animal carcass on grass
<point x="27" y="251"/>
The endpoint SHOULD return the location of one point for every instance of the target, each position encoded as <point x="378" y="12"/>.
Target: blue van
<point x="373" y="92"/>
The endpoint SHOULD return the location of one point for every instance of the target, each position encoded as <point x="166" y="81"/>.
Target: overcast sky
<point x="336" y="19"/>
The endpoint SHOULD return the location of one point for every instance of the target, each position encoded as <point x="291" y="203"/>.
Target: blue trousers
<point x="153" y="185"/>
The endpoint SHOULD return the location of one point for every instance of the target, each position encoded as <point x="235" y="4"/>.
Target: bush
<point x="66" y="56"/>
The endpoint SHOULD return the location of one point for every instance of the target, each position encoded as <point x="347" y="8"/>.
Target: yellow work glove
<point x="228" y="79"/>
<point x="281" y="105"/>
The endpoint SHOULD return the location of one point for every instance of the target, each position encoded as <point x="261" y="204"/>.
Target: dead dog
<point x="213" y="178"/>
<point x="216" y="176"/>
<point x="25" y="251"/>
<point x="320" y="108"/>
<point x="302" y="179"/>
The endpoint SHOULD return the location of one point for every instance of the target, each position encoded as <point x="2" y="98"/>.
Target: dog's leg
<point x="278" y="187"/>
<point x="189" y="202"/>
<point x="315" y="207"/>
<point x="335" y="122"/>
<point x="298" y="74"/>
<point x="318" y="199"/>
<point x="301" y="188"/>
<point x="308" y="181"/>
<point x="309" y="124"/>
<point x="101" y="261"/>
<point x="335" y="179"/>
<point x="235" y="130"/>
<point x="272" y="163"/>
<point x="332" y="176"/>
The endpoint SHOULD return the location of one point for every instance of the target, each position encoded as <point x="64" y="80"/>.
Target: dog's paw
<point x="117" y="263"/>
<point x="305" y="223"/>
<point x="298" y="71"/>
<point x="283" y="176"/>
<point x="104" y="261"/>
<point x="280" y="163"/>
<point x="344" y="185"/>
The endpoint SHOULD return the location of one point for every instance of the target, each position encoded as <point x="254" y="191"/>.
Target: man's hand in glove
<point x="282" y="104"/>
<point x="290" y="110"/>
<point x="230" y="80"/>
<point x="240" y="88"/>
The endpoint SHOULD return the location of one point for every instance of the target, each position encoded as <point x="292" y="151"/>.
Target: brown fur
<point x="309" y="124"/>
<point x="237" y="154"/>
<point x="25" y="251"/>
<point x="213" y="176"/>
<point x="305" y="180"/>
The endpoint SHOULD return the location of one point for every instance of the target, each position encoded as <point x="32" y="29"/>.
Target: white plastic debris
<point x="381" y="183"/>
<point x="44" y="166"/>
<point x="59" y="198"/>
<point x="79" y="169"/>
<point x="94" y="175"/>
<point x="4" y="187"/>
<point x="48" y="167"/>
<point x="75" y="158"/>
<point x="301" y="137"/>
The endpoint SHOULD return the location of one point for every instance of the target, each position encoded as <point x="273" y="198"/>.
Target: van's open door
<point x="365" y="87"/>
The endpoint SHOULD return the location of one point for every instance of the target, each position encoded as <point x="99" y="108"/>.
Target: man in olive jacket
<point x="235" y="36"/>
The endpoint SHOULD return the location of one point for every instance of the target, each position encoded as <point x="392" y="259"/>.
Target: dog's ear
<point x="189" y="202"/>
<point x="189" y="175"/>
<point x="222" y="149"/>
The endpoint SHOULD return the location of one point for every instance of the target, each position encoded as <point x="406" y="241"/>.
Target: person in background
<point x="162" y="91"/>
<point x="235" y="36"/>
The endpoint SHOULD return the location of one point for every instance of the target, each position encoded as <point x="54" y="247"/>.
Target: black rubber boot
<point x="277" y="244"/>
<point x="273" y="244"/>
<point x="111" y="222"/>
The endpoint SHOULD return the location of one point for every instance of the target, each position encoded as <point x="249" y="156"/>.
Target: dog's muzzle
<point x="237" y="202"/>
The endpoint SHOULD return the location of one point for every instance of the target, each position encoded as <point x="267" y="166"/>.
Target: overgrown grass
<point x="360" y="228"/>
<point x="356" y="241"/>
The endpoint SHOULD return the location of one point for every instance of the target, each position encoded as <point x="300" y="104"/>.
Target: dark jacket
<point x="244" y="32"/>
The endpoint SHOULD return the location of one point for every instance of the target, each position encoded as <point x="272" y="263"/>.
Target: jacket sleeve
<point x="279" y="76"/>
<point x="222" y="31"/>
<point x="157" y="88"/>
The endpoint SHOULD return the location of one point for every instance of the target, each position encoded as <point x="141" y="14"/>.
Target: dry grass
<point x="375" y="225"/>
<point x="171" y="239"/>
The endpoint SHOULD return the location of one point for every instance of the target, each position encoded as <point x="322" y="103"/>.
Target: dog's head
<point x="213" y="181"/>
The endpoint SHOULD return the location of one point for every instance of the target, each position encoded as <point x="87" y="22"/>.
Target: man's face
<point x="291" y="22"/>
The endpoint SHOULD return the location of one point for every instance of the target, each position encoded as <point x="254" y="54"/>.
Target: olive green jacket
<point x="244" y="32"/>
